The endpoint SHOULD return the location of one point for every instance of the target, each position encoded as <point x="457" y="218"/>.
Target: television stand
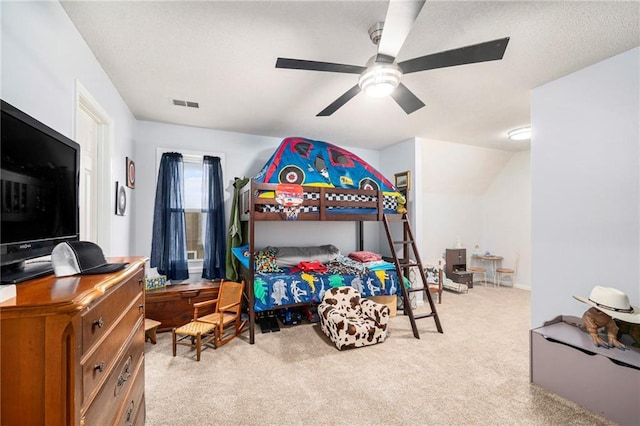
<point x="17" y="273"/>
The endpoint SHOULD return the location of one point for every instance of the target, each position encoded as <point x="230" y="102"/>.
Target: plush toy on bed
<point x="608" y="304"/>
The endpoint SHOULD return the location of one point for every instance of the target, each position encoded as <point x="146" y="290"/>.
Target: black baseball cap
<point x="81" y="258"/>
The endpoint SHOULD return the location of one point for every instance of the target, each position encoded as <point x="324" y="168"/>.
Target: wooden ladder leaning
<point x="402" y="267"/>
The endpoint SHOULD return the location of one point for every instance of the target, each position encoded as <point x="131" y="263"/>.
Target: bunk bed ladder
<point x="402" y="267"/>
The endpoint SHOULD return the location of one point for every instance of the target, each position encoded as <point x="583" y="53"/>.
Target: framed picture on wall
<point x="121" y="200"/>
<point x="403" y="180"/>
<point x="131" y="173"/>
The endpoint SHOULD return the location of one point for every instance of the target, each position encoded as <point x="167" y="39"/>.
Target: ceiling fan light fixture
<point x="520" y="134"/>
<point x="380" y="79"/>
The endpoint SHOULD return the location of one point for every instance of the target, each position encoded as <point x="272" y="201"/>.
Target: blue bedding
<point x="273" y="290"/>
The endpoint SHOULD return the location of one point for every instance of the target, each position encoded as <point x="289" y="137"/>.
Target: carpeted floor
<point x="476" y="373"/>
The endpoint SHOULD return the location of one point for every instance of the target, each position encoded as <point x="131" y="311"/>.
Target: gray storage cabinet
<point x="565" y="361"/>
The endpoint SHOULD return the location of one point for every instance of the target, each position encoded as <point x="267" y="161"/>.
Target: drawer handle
<point x="125" y="374"/>
<point x="122" y="380"/>
<point x="98" y="323"/>
<point x="189" y="294"/>
<point x="141" y="307"/>
<point x="129" y="416"/>
<point x="99" y="367"/>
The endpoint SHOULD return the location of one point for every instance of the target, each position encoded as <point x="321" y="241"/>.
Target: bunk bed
<point x="333" y="184"/>
<point x="286" y="288"/>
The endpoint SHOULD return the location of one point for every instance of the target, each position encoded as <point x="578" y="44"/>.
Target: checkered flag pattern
<point x="388" y="202"/>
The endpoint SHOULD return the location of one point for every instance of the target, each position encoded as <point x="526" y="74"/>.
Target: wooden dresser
<point x="456" y="267"/>
<point x="72" y="350"/>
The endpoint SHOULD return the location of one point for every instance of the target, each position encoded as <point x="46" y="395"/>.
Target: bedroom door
<point x="94" y="132"/>
<point x="87" y="130"/>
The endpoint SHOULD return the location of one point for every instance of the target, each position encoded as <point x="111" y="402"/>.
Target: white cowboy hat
<point x="612" y="302"/>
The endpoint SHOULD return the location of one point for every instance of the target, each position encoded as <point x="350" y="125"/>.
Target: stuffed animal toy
<point x="402" y="201"/>
<point x="593" y="320"/>
<point x="608" y="304"/>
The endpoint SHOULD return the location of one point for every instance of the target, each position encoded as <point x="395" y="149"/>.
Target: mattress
<point x="278" y="289"/>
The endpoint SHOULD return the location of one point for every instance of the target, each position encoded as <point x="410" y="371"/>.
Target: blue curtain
<point x="213" y="223"/>
<point x="169" y="242"/>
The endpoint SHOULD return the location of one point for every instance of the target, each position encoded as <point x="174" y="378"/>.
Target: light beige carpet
<point x="476" y="373"/>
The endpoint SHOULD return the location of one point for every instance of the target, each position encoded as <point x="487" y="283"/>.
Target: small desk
<point x="173" y="305"/>
<point x="493" y="262"/>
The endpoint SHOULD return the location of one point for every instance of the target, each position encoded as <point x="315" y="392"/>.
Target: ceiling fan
<point x="382" y="74"/>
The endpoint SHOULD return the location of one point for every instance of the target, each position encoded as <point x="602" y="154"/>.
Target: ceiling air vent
<point x="189" y="104"/>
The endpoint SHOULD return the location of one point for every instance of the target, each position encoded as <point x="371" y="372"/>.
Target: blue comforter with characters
<point x="277" y="289"/>
<point x="282" y="278"/>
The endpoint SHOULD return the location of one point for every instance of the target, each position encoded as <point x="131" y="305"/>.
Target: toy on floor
<point x="608" y="304"/>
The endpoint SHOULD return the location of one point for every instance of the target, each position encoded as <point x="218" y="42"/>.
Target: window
<point x="193" y="206"/>
<point x="193" y="203"/>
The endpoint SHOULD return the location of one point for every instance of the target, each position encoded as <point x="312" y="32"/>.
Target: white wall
<point x="468" y="191"/>
<point x="399" y="158"/>
<point x="448" y="216"/>
<point x="42" y="56"/>
<point x="244" y="156"/>
<point x="585" y="162"/>
<point x="506" y="217"/>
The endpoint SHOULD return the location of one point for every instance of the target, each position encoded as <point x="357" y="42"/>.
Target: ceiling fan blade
<point x="406" y="99"/>
<point x="301" y="64"/>
<point x="335" y="105"/>
<point x="401" y="15"/>
<point x="481" y="52"/>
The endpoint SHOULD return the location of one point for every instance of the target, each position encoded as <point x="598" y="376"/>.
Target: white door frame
<point x="86" y="103"/>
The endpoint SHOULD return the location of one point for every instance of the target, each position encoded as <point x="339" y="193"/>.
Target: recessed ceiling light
<point x="520" y="134"/>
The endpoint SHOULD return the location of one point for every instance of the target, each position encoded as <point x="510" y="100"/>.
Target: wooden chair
<point x="216" y="328"/>
<point x="479" y="270"/>
<point x="512" y="272"/>
<point x="437" y="288"/>
<point x="435" y="280"/>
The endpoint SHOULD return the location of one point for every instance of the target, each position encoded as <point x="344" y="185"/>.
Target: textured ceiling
<point x="222" y="55"/>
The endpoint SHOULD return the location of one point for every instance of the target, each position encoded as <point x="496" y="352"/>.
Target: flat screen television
<point x="39" y="180"/>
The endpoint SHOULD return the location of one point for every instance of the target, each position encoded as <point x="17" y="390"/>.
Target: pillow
<point x="365" y="256"/>
<point x="266" y="261"/>
<point x="242" y="254"/>
<point x="287" y="257"/>
<point x="432" y="274"/>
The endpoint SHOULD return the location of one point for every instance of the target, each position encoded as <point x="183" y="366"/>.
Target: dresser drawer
<point x="99" y="362"/>
<point x="110" y="399"/>
<point x="98" y="319"/>
<point x="140" y="417"/>
<point x="132" y="412"/>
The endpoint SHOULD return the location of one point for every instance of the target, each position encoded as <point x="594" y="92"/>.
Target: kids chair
<point x="479" y="270"/>
<point x="512" y="272"/>
<point x="217" y="328"/>
<point x="350" y="321"/>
